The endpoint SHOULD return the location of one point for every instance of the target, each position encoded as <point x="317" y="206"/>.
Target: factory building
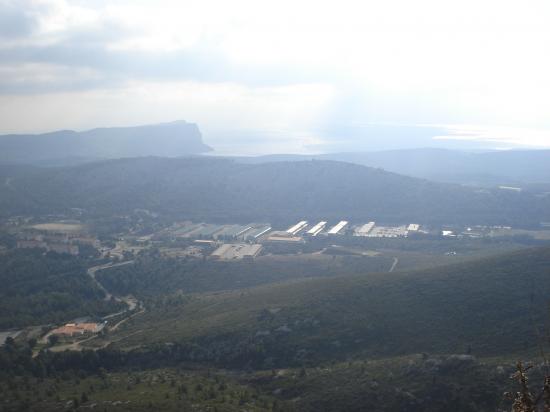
<point x="185" y="229"/>
<point x="236" y="251"/>
<point x="364" y="229"/>
<point x="315" y="230"/>
<point x="297" y="228"/>
<point x="207" y="231"/>
<point x="339" y="228"/>
<point x="283" y="237"/>
<point x="243" y="231"/>
<point x="255" y="233"/>
<point x="387" y="231"/>
<point x="232" y="231"/>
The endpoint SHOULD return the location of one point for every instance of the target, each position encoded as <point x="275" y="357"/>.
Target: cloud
<point x="216" y="106"/>
<point x="394" y="62"/>
<point x="504" y="136"/>
<point x="15" y="21"/>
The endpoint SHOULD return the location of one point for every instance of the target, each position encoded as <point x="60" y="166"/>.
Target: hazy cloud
<point x="15" y="21"/>
<point x="371" y="65"/>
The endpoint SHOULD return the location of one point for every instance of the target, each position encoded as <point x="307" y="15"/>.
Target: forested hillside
<point x="223" y="190"/>
<point x="481" y="168"/>
<point x="38" y="289"/>
<point x="491" y="307"/>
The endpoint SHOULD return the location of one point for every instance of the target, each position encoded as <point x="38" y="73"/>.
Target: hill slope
<point x="489" y="308"/>
<point x="223" y="190"/>
<point x="489" y="168"/>
<point x="39" y="289"/>
<point x="67" y="146"/>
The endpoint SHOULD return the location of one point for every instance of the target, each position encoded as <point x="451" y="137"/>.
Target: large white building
<point x="364" y="229"/>
<point x="236" y="251"/>
<point x="413" y="227"/>
<point x="294" y="230"/>
<point x="315" y="230"/>
<point x="338" y="228"/>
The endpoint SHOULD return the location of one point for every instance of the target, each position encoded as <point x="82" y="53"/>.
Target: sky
<point x="285" y="76"/>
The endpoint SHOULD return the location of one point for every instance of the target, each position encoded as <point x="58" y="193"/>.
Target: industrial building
<point x="386" y="231"/>
<point x="283" y="237"/>
<point x="255" y="233"/>
<point x="236" y="251"/>
<point x="185" y="229"/>
<point x="315" y="230"/>
<point x="207" y="231"/>
<point x="232" y="231"/>
<point x="364" y="230"/>
<point x="297" y="228"/>
<point x="190" y="230"/>
<point x="339" y="228"/>
<point x="48" y="243"/>
<point x="413" y="227"/>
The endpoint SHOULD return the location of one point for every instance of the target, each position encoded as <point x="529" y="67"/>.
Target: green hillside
<point x="444" y="165"/>
<point x="413" y="383"/>
<point x="223" y="190"/>
<point x="487" y="308"/>
<point x="40" y="288"/>
<point x="150" y="275"/>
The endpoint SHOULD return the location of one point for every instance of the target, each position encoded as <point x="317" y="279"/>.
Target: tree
<point x="53" y="340"/>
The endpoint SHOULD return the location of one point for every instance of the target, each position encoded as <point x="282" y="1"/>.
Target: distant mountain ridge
<point x="444" y="165"/>
<point x="70" y="147"/>
<point x="214" y="189"/>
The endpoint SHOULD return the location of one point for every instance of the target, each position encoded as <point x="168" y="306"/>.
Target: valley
<point x="184" y="283"/>
<point x="335" y="206"/>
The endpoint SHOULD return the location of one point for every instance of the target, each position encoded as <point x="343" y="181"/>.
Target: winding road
<point x="131" y="303"/>
<point x="394" y="264"/>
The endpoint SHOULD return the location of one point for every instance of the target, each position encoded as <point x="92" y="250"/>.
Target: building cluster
<point x="372" y="230"/>
<point x="189" y="230"/>
<point x="385" y="231"/>
<point x="262" y="232"/>
<point x="236" y="241"/>
<point x="54" y="241"/>
<point x="369" y="229"/>
<point x="47" y="242"/>
<point x="72" y="330"/>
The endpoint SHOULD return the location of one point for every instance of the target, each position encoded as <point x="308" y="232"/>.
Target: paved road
<point x="394" y="264"/>
<point x="130" y="302"/>
<point x="92" y="271"/>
